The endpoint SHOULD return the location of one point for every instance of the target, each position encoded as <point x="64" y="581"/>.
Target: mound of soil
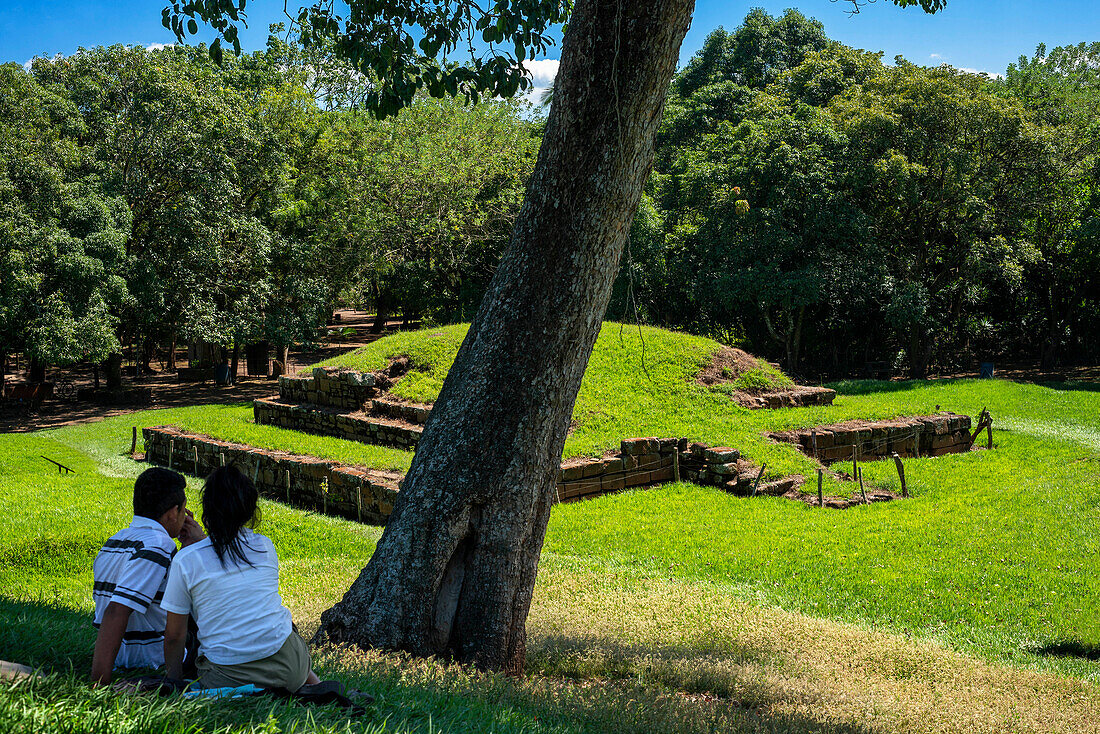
<point x="727" y="364"/>
<point x="770" y="390"/>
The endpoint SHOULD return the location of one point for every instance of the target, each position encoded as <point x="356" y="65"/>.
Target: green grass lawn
<point x="668" y="609"/>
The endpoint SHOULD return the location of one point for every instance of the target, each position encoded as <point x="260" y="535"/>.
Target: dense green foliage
<point x="809" y="202"/>
<point x="917" y="216"/>
<point x="152" y="197"/>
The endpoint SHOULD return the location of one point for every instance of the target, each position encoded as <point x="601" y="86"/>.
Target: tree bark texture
<point x="455" y="569"/>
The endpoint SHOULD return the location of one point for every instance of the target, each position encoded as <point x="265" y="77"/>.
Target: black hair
<point x="229" y="503"/>
<point x="157" y="490"/>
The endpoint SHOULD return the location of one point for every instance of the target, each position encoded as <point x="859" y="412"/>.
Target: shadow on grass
<point x="1070" y="649"/>
<point x="45" y="635"/>
<point x="1074" y="385"/>
<point x="869" y="387"/>
<point x="717" y="688"/>
<point x="618" y="688"/>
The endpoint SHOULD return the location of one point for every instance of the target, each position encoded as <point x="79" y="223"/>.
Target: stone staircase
<point x="343" y="404"/>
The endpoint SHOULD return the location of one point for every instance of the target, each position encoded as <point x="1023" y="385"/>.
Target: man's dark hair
<point x="158" y="490"/>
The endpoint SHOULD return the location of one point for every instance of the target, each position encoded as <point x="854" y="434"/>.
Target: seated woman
<point x="229" y="583"/>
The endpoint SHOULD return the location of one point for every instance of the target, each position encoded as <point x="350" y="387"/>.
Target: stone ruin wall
<point x="331" y="387"/>
<point x="352" y="492"/>
<point x="336" y="402"/>
<point x="368" y="495"/>
<point x="329" y="422"/>
<point x="928" y="435"/>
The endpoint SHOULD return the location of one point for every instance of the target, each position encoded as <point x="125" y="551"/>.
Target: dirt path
<point x="168" y="392"/>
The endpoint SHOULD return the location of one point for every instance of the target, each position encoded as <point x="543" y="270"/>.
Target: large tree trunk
<point x="455" y="568"/>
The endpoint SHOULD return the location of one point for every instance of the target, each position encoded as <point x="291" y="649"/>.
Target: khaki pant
<point x="287" y="668"/>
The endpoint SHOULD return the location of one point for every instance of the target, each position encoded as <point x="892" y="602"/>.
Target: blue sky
<point x="982" y="35"/>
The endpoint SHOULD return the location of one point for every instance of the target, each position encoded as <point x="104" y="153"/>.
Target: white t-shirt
<point x="237" y="607"/>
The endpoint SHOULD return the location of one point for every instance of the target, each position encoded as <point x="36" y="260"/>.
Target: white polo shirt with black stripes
<point x="131" y="569"/>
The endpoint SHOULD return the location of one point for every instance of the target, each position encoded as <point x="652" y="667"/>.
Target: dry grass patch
<point x="695" y="638"/>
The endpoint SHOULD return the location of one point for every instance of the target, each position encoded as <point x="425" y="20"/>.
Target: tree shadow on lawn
<point x="675" y="696"/>
<point x="732" y="682"/>
<point x="1074" y="385"/>
<point x="46" y="635"/>
<point x="1070" y="649"/>
<point x="871" y="387"/>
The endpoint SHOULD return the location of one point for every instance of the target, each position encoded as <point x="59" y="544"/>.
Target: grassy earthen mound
<point x="754" y="383"/>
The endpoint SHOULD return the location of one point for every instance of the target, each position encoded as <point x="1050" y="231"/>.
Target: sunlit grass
<point x="678" y="608"/>
<point x="655" y="611"/>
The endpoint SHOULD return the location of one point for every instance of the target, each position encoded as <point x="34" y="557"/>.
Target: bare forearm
<point x="173" y="657"/>
<point x="175" y="640"/>
<point x="108" y="641"/>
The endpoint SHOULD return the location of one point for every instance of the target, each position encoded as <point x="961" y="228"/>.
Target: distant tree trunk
<point x="148" y="347"/>
<point x="381" y="306"/>
<point x="234" y="363"/>
<point x="3" y="371"/>
<point x="112" y="371"/>
<point x="1050" y="346"/>
<point x="170" y="364"/>
<point x="455" y="569"/>
<point x="37" y="370"/>
<point x="920" y="355"/>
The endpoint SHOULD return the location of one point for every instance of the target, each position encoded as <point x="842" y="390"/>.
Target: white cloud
<point x="27" y="64"/>
<point x="159" y="46"/>
<point x="981" y="72"/>
<point x="934" y="56"/>
<point x="542" y="73"/>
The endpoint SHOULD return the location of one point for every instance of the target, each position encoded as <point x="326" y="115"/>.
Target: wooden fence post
<point x="862" y="491"/>
<point x="756" y="484"/>
<point x="171" y="450"/>
<point x="813" y="435"/>
<point x="676" y="464"/>
<point x="286" y="476"/>
<point x="133" y="442"/>
<point x="820" y="496"/>
<point x="901" y="474"/>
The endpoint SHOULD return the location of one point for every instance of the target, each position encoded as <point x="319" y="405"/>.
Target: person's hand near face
<point x="191" y="532"/>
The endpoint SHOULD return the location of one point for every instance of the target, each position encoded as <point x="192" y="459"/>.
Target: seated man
<point x="130" y="572"/>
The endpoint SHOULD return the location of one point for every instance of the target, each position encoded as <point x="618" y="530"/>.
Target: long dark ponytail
<point x="229" y="504"/>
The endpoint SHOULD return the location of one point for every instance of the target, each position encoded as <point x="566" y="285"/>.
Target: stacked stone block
<point x="329" y="422"/>
<point x="640" y="462"/>
<point x="798" y="397"/>
<point x="326" y="486"/>
<point x="332" y="387"/>
<point x="369" y="495"/>
<point x="931" y="435"/>
<point x="408" y="412"/>
<point x="344" y="404"/>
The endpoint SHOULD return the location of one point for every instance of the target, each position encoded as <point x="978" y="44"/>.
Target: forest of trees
<point x="151" y="198"/>
<point x="808" y="202"/>
<point x="924" y="217"/>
